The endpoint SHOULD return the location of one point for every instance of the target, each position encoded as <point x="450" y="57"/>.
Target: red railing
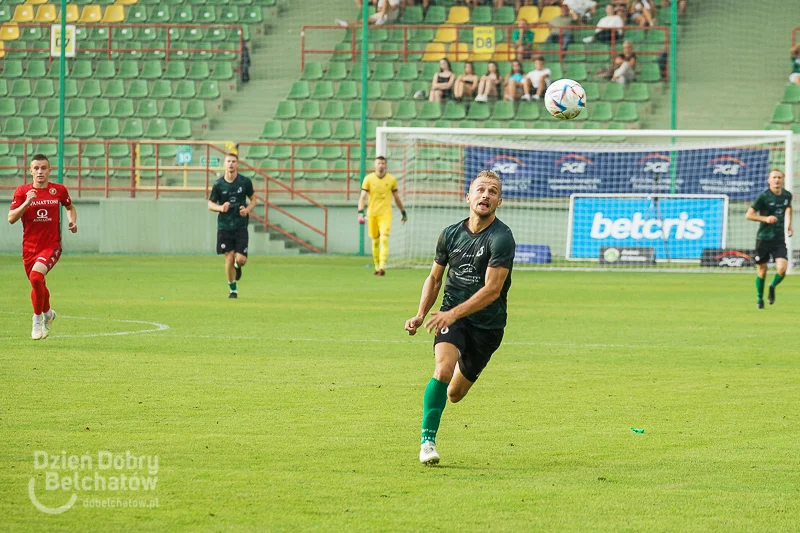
<point x="508" y="48"/>
<point x="115" y="45"/>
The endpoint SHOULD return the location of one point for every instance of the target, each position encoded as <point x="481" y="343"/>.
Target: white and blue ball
<point x="565" y="99"/>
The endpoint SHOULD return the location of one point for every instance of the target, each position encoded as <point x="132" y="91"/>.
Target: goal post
<point x="592" y="199"/>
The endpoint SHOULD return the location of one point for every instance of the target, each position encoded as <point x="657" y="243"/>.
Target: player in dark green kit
<point x="229" y="197"/>
<point x="773" y="209"/>
<point x="479" y="252"/>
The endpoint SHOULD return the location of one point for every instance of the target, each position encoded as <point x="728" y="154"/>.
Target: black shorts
<point x="475" y="346"/>
<point x="775" y="248"/>
<point x="234" y="240"/>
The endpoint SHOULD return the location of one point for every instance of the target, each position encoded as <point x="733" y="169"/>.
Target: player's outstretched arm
<point x="72" y="217"/>
<point x="493" y="286"/>
<point x="430" y="291"/>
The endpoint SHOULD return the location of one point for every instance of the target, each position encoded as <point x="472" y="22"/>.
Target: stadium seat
<point x="221" y="72"/>
<point x="434" y="52"/>
<point x="576" y="71"/>
<point x="649" y="73"/>
<point x="23" y="13"/>
<point x="171" y="108"/>
<point x="458" y="15"/>
<point x="12" y="69"/>
<point x="136" y="89"/>
<point x="333" y="110"/>
<point x="335" y="72"/>
<point x="198" y="71"/>
<point x="108" y="128"/>
<point x="312" y="71"/>
<point x="344" y="130"/>
<point x="435" y="15"/>
<point x="413" y="15"/>
<point x="637" y="92"/>
<point x="8" y="107"/>
<point x="151" y="70"/>
<point x="5" y="13"/>
<point x="529" y="14"/>
<point x="162" y="89"/>
<point x="380" y="110"/>
<point x="286" y="110"/>
<point x="128" y="70"/>
<point x="516" y="124"/>
<point x="600" y="112"/>
<point x="791" y="94"/>
<point x="627" y="112"/>
<point x="195" y="110"/>
<point x="99" y="108"/>
<point x="104" y="70"/>
<point x="527" y="112"/>
<point x="132" y="128"/>
<point x="430" y="111"/>
<point x="252" y="15"/>
<point x="273" y="129"/>
<point x="113" y="14"/>
<point x="783" y="114"/>
<point x="19" y="89"/>
<point x="176" y="70"/>
<point x="9" y="32"/>
<point x="206" y="15"/>
<point x="156" y="129"/>
<point x="36" y="69"/>
<point x="454" y="111"/>
<point x="209" y="90"/>
<point x="346" y="91"/>
<point x="137" y="14"/>
<point x="296" y="129"/>
<point x="91" y="14"/>
<point x="81" y="69"/>
<point x="183" y="15"/>
<point x="76" y="107"/>
<point x="299" y="90"/>
<point x="407" y="72"/>
<point x="446" y="34"/>
<point x="309" y="110"/>
<point x="85" y="127"/>
<point x="395" y="90"/>
<point x="481" y="15"/>
<point x="612" y="92"/>
<point x="323" y="90"/>
<point x="406" y="110"/>
<point x="180" y="129"/>
<point x="383" y="72"/>
<point x="503" y="110"/>
<point x="477" y="112"/>
<point x="122" y="108"/>
<point x="320" y="130"/>
<point x="45" y="14"/>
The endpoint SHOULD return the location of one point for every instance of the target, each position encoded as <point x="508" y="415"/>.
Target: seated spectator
<point x="537" y="80"/>
<point x="641" y="13"/>
<point x="442" y="84"/>
<point x="681" y="6"/>
<point x="387" y="11"/>
<point x="489" y="83"/>
<point x="425" y="3"/>
<point x="522" y="38"/>
<point x="559" y="27"/>
<point x="794" y="77"/>
<point x="581" y="9"/>
<point x="515" y="82"/>
<point x="606" y="25"/>
<point x="467" y="84"/>
<point x="624" y="65"/>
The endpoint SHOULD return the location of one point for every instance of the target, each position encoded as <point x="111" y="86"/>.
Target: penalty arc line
<point x="157" y="327"/>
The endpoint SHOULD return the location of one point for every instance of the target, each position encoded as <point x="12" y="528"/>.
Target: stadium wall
<point x="174" y="226"/>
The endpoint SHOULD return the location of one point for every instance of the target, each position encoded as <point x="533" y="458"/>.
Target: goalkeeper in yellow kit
<point x="380" y="186"/>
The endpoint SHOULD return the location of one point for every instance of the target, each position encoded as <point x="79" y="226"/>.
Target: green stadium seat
<point x="481" y="15"/>
<point x="346" y="91"/>
<point x="137" y="14"/>
<point x="171" y="109"/>
<point x="430" y="111"/>
<point x="317" y="170"/>
<point x="286" y="110"/>
<point x="407" y="72"/>
<point x="36" y="69"/>
<point x="195" y="110"/>
<point x="85" y="127"/>
<point x="557" y="72"/>
<point x="20" y="89"/>
<point x="791" y="94"/>
<point x="180" y="129"/>
<point x="76" y="108"/>
<point x="342" y="52"/>
<point x="12" y="69"/>
<point x="309" y="110"/>
<point x="413" y="15"/>
<point x="8" y="161"/>
<point x="104" y="70"/>
<point x="335" y="72"/>
<point x="576" y="72"/>
<point x="81" y="69"/>
<point x="419" y="86"/>
<point x="122" y="108"/>
<point x="89" y="89"/>
<point x="257" y="152"/>
<point x="528" y="112"/>
<point x="406" y="110"/>
<point x="627" y="112"/>
<point x="383" y="72"/>
<point x="478" y="112"/>
<point x="108" y="128"/>
<point x="505" y="16"/>
<point x="638" y="92"/>
<point x="4" y="87"/>
<point x="184" y="90"/>
<point x="151" y="70"/>
<point x="43" y="89"/>
<point x="331" y="152"/>
<point x="183" y="15"/>
<point x="8" y="107"/>
<point x="575" y="54"/>
<point x="99" y="108"/>
<point x="454" y="111"/>
<point x="516" y="124"/>
<point x="312" y="71"/>
<point x="634" y="36"/>
<point x="389" y="52"/>
<point x="137" y="89"/>
<point x="344" y="130"/>
<point x="13" y="127"/>
<point x="503" y="110"/>
<point x="333" y="110"/>
<point x="54" y="127"/>
<point x="55" y="69"/>
<point x="51" y="108"/>
<point x="132" y="128"/>
<point x="435" y="15"/>
<point x="468" y="124"/>
<point x="281" y="152"/>
<point x="209" y="90"/>
<point x="206" y="15"/>
<point x="176" y="70"/>
<point x="612" y="92"/>
<point x="320" y="130"/>
<point x="795" y="128"/>
<point x="395" y="90"/>
<point x="156" y="129"/>
<point x="161" y="89"/>
<point x="128" y="70"/>
<point x="299" y="90"/>
<point x="592" y="90"/>
<point x="373" y="90"/>
<point x="305" y="152"/>
<point x="46" y="149"/>
<point x="323" y="90"/>
<point x="296" y="129"/>
<point x="252" y="15"/>
<point x="146" y="108"/>
<point x="649" y="73"/>
<point x="113" y="89"/>
<point x="221" y="72"/>
<point x="600" y="112"/>
<point x="198" y="71"/>
<point x="380" y="110"/>
<point x="783" y="114"/>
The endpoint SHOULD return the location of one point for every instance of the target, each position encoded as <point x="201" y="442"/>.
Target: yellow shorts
<point x="378" y="226"/>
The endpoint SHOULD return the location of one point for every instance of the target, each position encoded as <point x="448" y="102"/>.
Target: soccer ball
<point x="565" y="99"/>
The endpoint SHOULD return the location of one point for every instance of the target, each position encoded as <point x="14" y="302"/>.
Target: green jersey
<point x="770" y="204"/>
<point x="468" y="255"/>
<point x="236" y="193"/>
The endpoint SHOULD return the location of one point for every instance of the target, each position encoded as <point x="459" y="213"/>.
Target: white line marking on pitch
<point x="157" y="327"/>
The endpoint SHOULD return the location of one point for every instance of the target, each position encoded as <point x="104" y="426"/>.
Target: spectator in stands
<point x="515" y="82"/>
<point x="536" y="80"/>
<point x="794" y="77"/>
<point x="607" y="24"/>
<point x="245" y="65"/>
<point x="387" y="11"/>
<point x="681" y="5"/>
<point x="466" y="84"/>
<point x="522" y="38"/>
<point x="442" y="84"/>
<point x="489" y="83"/>
<point x="425" y="3"/>
<point x="581" y="9"/>
<point x="624" y="65"/>
<point x="641" y="13"/>
<point x="559" y="27"/>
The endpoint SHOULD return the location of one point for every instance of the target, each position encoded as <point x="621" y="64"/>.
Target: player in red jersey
<point x="37" y="204"/>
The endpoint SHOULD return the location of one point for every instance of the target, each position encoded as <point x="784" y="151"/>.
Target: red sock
<point x="46" y="306"/>
<point x="38" y="291"/>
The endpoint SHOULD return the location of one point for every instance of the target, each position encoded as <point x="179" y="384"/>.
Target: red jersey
<point x="41" y="227"/>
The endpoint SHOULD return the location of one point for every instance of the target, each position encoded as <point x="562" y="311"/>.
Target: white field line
<point x="156" y="327"/>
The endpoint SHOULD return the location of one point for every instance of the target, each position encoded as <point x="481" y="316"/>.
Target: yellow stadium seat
<point x="504" y="52"/>
<point x="529" y="13"/>
<point x="45" y="13"/>
<point x="540" y="34"/>
<point x="458" y="15"/>
<point x="446" y="34"/>
<point x="549" y="13"/>
<point x="72" y="13"/>
<point x="35" y="2"/>
<point x="23" y="13"/>
<point x="458" y="52"/>
<point x="91" y="13"/>
<point x="434" y="52"/>
<point x="127" y="2"/>
<point x="114" y="13"/>
<point x="9" y="32"/>
<point x="2" y="49"/>
<point x="480" y="56"/>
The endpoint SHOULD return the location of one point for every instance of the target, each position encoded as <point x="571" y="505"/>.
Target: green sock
<point x="432" y="406"/>
<point x="232" y="286"/>
<point x="776" y="280"/>
<point x="760" y="289"/>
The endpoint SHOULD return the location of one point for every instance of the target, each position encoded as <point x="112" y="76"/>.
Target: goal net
<point x="591" y="199"/>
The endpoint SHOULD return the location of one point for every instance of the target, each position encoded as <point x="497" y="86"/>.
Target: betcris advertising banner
<point x="740" y="174"/>
<point x="677" y="227"/>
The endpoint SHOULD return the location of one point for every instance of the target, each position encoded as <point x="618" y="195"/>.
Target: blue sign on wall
<point x="533" y="253"/>
<point x="677" y="227"/>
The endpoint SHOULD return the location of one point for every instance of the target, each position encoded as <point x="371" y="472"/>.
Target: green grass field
<point x="297" y="407"/>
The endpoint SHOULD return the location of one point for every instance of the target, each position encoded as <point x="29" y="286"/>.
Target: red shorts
<point x="48" y="258"/>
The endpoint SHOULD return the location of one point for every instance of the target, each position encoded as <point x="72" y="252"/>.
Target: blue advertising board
<point x="675" y="226"/>
<point x="738" y="173"/>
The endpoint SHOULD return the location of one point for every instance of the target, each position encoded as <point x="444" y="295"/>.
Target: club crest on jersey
<point x="52" y="190"/>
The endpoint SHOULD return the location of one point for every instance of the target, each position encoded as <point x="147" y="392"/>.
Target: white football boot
<point x="38" y="327"/>
<point x="428" y="454"/>
<point x="49" y="317"/>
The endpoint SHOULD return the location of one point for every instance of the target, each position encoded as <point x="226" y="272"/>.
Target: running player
<point x="771" y="209"/>
<point x="379" y="186"/>
<point x="228" y="198"/>
<point x="479" y="252"/>
<point x="37" y="204"/>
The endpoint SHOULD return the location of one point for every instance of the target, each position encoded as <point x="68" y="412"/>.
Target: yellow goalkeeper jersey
<point x="380" y="193"/>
